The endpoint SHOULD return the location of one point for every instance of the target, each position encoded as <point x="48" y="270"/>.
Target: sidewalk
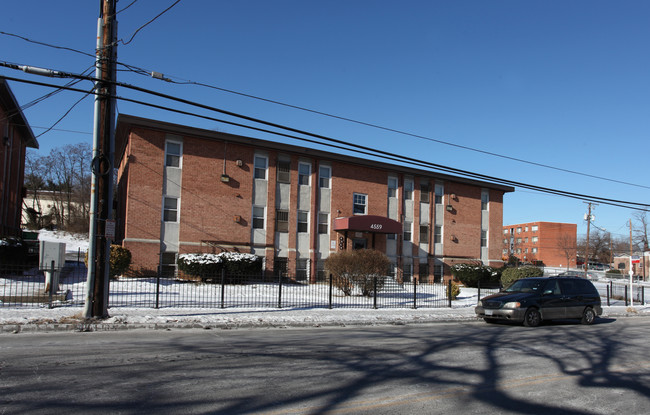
<point x="70" y="318"/>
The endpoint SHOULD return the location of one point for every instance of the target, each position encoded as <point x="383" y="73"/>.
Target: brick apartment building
<point x="17" y="136"/>
<point x="550" y="242"/>
<point x="184" y="190"/>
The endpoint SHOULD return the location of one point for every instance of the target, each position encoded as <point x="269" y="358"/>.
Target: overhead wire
<point x="350" y="146"/>
<point x="144" y="72"/>
<point x="149" y="22"/>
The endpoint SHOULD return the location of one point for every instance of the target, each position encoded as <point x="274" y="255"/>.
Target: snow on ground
<point x="71" y="316"/>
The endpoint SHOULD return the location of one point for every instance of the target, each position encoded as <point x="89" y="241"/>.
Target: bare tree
<point x="640" y="229"/>
<point x="65" y="173"/>
<point x="569" y="248"/>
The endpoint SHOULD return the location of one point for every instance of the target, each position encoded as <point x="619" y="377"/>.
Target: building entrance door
<point x="360" y="243"/>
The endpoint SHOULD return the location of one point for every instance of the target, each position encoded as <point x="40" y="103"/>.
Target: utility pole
<point x="588" y="218"/>
<point x="101" y="202"/>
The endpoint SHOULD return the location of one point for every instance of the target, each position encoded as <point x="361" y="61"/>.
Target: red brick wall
<point x="208" y="206"/>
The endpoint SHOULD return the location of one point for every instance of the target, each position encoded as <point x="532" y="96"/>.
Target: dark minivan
<point x="531" y="300"/>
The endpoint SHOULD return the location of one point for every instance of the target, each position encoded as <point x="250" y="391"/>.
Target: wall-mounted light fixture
<point x="225" y="178"/>
<point x="239" y="163"/>
<point x="237" y="218"/>
<point x="450" y="208"/>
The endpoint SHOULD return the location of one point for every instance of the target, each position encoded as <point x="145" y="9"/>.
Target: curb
<point x="86" y="327"/>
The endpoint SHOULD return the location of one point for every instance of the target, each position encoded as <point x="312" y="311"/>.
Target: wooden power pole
<point x="96" y="304"/>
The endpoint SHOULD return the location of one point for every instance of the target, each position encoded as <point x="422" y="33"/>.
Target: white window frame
<point x="485" y="199"/>
<point x="257" y="167"/>
<point x="302" y="214"/>
<point x="302" y="176"/>
<point x="168" y="154"/>
<point x="408" y="230"/>
<point x="325" y="177"/>
<point x="393" y="185"/>
<point x="409" y="187"/>
<point x="439" y="194"/>
<point x="323" y="223"/>
<point x="356" y="198"/>
<point x="175" y="209"/>
<point x="258" y="217"/>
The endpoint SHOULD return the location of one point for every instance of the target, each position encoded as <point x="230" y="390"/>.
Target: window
<point x="258" y="217"/>
<point x="170" y="209"/>
<point x="168" y="264"/>
<point x="505" y="232"/>
<point x="391" y="236"/>
<point x="301" y="269"/>
<point x="360" y="204"/>
<point x="438" y="270"/>
<point x="518" y="230"/>
<point x="392" y="186"/>
<point x="325" y="173"/>
<point x="439" y="192"/>
<point x="437" y="234"/>
<point x="525" y="228"/>
<point x="424" y="234"/>
<point x="282" y="221"/>
<point x="519" y="250"/>
<point x="260" y="167"/>
<point x="407" y="231"/>
<point x="505" y="252"/>
<point x="408" y="189"/>
<point x="423" y="273"/>
<point x="284" y="171"/>
<point x="323" y="223"/>
<point x="535" y="239"/>
<point x="485" y="198"/>
<point x="534" y="228"/>
<point x="526" y="239"/>
<point x="424" y="192"/>
<point x="303" y="223"/>
<point x="518" y="240"/>
<point x="505" y="241"/>
<point x="172" y="154"/>
<point x="484" y="239"/>
<point x="534" y="250"/>
<point x="525" y="250"/>
<point x="304" y="171"/>
<point x="407" y="274"/>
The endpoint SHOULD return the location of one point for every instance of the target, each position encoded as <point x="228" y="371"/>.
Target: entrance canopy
<point x="367" y="223"/>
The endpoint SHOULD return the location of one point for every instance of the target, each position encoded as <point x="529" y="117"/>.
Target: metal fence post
<point x="280" y="290"/>
<point x="52" y="282"/>
<point x="374" y="290"/>
<point x="607" y="286"/>
<point x="415" y="295"/>
<point x="223" y="286"/>
<point x="158" y="288"/>
<point x="449" y="293"/>
<point x="331" y="287"/>
<point x="626" y="295"/>
<point x="479" y="291"/>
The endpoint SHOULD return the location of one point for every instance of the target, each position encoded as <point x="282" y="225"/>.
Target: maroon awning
<point x="367" y="223"/>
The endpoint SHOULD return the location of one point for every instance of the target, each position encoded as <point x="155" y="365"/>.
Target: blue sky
<point x="559" y="83"/>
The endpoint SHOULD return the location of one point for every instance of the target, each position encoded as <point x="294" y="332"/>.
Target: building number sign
<point x="376" y="226"/>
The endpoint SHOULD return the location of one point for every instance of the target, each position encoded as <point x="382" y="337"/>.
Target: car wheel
<point x="532" y="318"/>
<point x="490" y="320"/>
<point x="588" y="316"/>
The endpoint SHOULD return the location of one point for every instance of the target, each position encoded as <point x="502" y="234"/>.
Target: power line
<point x="349" y="146"/>
<point x="143" y="72"/>
<point x="149" y="22"/>
<point x="402" y="132"/>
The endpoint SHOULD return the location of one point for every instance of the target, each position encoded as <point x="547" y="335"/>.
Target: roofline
<point x="18" y="119"/>
<point x="124" y="121"/>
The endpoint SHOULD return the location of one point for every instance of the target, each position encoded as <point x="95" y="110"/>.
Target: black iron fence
<point x="33" y="287"/>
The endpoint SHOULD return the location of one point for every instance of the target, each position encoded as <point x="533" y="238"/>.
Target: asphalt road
<point x="447" y="368"/>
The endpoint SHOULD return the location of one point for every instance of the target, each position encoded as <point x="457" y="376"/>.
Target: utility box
<point x="49" y="253"/>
